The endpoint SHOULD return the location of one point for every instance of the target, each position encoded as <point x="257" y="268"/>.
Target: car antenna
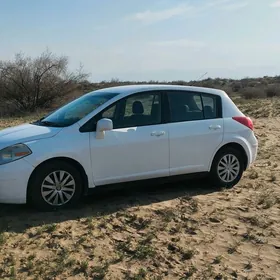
<point x="200" y="77"/>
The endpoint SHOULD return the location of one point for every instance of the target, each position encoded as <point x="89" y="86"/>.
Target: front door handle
<point x="215" y="127"/>
<point x="157" y="133"/>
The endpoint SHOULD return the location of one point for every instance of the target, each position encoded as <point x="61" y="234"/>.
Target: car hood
<point x="24" y="133"/>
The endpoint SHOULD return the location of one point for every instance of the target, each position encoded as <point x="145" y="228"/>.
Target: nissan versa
<point x="124" y="134"/>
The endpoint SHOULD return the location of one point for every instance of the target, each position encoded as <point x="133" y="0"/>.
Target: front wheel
<point x="55" y="185"/>
<point x="227" y="168"/>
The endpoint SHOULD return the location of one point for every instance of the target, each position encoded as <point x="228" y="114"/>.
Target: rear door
<point x="195" y="130"/>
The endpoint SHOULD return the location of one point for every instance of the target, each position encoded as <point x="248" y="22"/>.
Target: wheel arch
<point x="71" y="161"/>
<point x="237" y="147"/>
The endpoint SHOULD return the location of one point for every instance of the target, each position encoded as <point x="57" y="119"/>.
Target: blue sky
<point x="148" y="40"/>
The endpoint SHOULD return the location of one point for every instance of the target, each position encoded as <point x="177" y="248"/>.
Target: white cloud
<point x="275" y="4"/>
<point x="155" y="16"/>
<point x="179" y="43"/>
<point x="149" y="16"/>
<point x="217" y="2"/>
<point x="235" y="6"/>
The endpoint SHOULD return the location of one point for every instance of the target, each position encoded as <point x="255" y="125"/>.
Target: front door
<point x="137" y="147"/>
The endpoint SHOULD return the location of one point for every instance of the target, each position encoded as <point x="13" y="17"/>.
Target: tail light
<point x="245" y="121"/>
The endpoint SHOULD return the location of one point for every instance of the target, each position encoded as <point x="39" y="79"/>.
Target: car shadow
<point x="19" y="218"/>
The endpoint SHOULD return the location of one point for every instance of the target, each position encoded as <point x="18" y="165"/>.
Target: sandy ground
<point x="176" y="231"/>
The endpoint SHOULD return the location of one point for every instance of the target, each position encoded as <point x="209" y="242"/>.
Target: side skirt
<point x="154" y="181"/>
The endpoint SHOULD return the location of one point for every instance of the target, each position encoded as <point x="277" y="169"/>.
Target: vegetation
<point x="30" y="84"/>
<point x="27" y="84"/>
<point x="248" y="88"/>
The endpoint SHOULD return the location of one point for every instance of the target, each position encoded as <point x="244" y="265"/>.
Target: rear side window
<point x="191" y="106"/>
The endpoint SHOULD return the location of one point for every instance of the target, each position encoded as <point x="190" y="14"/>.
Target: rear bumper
<point x="253" y="144"/>
<point x="254" y="153"/>
<point x="14" y="178"/>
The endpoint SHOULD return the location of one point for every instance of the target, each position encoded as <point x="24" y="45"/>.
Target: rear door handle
<point x="215" y="127"/>
<point x="157" y="133"/>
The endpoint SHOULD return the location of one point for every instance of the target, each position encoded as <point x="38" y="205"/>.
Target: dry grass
<point x="178" y="231"/>
<point x="8" y="122"/>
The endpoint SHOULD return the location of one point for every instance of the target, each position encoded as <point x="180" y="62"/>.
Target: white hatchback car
<point x="124" y="134"/>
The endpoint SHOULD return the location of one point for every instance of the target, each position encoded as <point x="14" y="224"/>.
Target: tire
<point x="55" y="185"/>
<point x="232" y="172"/>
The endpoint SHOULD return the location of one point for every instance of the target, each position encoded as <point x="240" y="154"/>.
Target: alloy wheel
<point x="228" y="168"/>
<point x="58" y="188"/>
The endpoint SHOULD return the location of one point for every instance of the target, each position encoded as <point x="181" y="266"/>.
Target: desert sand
<point x="184" y="230"/>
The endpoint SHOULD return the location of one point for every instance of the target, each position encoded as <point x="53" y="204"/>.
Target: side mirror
<point x="102" y="126"/>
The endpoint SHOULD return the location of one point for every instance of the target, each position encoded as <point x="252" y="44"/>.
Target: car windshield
<point x="76" y="110"/>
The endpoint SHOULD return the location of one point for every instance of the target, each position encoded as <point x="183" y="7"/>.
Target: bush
<point x="30" y="84"/>
<point x="249" y="93"/>
<point x="236" y="87"/>
<point x="273" y="90"/>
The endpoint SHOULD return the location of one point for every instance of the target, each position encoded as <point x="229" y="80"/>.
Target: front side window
<point x="140" y="110"/>
<point x="110" y="113"/>
<point x="76" y="110"/>
<point x="135" y="110"/>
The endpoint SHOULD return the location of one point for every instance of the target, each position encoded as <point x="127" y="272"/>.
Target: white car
<point x="125" y="134"/>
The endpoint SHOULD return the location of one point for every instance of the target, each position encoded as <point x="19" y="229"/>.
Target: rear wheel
<point x="227" y="168"/>
<point x="55" y="185"/>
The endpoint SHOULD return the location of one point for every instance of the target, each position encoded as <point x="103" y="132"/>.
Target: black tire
<point x="35" y="189"/>
<point x="214" y="174"/>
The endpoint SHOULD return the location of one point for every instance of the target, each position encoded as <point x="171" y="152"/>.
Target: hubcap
<point x="228" y="168"/>
<point x="58" y="188"/>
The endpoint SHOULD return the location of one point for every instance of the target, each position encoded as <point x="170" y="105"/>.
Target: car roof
<point x="130" y="89"/>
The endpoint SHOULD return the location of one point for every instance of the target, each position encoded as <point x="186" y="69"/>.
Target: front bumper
<point x="14" y="178"/>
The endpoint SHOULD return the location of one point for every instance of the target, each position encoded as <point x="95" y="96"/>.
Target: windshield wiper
<point x="47" y="123"/>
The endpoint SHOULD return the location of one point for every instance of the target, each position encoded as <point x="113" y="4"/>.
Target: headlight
<point x="13" y="153"/>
